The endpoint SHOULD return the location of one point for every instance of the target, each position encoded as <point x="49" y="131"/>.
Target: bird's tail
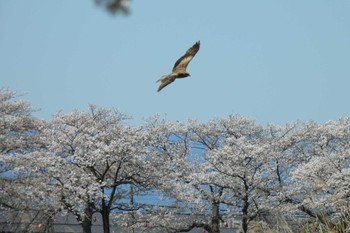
<point x="161" y="78"/>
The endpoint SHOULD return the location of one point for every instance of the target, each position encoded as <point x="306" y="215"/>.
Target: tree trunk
<point x="86" y="221"/>
<point x="105" y="217"/>
<point x="215" y="217"/>
<point x="49" y="225"/>
<point x="213" y="227"/>
<point x="245" y="214"/>
<point x="86" y="224"/>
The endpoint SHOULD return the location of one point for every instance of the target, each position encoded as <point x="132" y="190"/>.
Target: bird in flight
<point x="179" y="70"/>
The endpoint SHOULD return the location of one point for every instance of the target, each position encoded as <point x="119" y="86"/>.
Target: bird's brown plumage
<point x="179" y="69"/>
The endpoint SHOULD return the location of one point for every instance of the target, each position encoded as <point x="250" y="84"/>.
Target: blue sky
<point x="272" y="61"/>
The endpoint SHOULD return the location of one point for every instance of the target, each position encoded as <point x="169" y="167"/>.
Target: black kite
<point x="179" y="70"/>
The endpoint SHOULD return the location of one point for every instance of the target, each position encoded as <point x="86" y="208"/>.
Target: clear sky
<point x="273" y="61"/>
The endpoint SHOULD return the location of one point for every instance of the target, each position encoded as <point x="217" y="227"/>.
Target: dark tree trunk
<point x="87" y="219"/>
<point x="105" y="217"/>
<point x="86" y="224"/>
<point x="49" y="225"/>
<point x="245" y="218"/>
<point x="215" y="217"/>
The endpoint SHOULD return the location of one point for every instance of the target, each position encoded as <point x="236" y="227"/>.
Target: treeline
<point x="87" y="162"/>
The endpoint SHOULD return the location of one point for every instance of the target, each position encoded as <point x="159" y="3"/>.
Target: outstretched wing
<point x="166" y="81"/>
<point x="182" y="62"/>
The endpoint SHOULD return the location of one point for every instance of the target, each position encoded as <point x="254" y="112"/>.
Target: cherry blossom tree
<point x="224" y="161"/>
<point x="323" y="176"/>
<point x="240" y="166"/>
<point x="237" y="163"/>
<point x="102" y="156"/>
<point x="18" y="126"/>
<point x="206" y="138"/>
<point x="19" y="137"/>
<point x="167" y="164"/>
